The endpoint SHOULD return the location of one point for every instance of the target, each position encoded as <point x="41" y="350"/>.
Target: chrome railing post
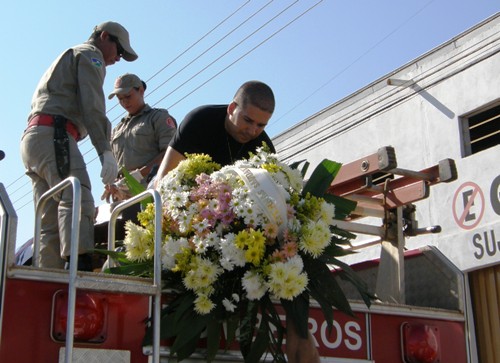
<point x="157" y="256"/>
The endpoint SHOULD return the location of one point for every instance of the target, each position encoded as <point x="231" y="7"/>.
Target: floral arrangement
<point x="237" y="240"/>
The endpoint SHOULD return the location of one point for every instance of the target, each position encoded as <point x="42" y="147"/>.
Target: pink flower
<point x="289" y="249"/>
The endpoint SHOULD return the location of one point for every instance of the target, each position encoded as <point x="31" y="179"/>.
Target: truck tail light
<point x="90" y="317"/>
<point x="420" y="343"/>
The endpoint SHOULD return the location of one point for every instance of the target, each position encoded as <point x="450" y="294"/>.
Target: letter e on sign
<point x="468" y="205"/>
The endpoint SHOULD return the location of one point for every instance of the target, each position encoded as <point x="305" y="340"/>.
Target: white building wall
<point x="422" y="123"/>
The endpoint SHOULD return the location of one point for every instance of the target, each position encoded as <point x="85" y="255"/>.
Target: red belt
<point x="42" y="119"/>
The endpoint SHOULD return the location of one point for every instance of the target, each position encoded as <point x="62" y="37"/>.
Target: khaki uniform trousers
<point x="38" y="155"/>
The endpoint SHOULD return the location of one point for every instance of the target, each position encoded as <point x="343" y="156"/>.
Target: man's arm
<point x="298" y="349"/>
<point x="146" y="169"/>
<point x="171" y="159"/>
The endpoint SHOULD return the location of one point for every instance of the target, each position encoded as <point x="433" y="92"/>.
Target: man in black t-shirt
<point x="225" y="132"/>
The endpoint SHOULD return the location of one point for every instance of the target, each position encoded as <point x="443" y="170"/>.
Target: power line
<point x="353" y="62"/>
<point x="227" y="52"/>
<point x="199" y="40"/>
<point x="245" y="54"/>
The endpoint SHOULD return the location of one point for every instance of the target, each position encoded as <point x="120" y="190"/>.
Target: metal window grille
<point x="481" y="130"/>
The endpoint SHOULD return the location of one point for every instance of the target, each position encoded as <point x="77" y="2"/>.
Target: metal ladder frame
<point x="386" y="200"/>
<point x="85" y="280"/>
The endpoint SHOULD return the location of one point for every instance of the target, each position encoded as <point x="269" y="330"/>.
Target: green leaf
<point x="135" y="187"/>
<point x="276" y="337"/>
<point x="261" y="341"/>
<point x="298" y="311"/>
<point x="334" y="250"/>
<point x="191" y="327"/>
<point x="247" y="325"/>
<point x="347" y="273"/>
<point x="321" y="178"/>
<point x="345" y="235"/>
<point x="213" y="338"/>
<point x="343" y="206"/>
<point x="303" y="170"/>
<point x="232" y="325"/>
<point x="144" y="269"/>
<point x="323" y="280"/>
<point x="127" y="267"/>
<point x="184" y="351"/>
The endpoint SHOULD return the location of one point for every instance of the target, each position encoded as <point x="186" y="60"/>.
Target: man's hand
<point x="115" y="193"/>
<point x="109" y="167"/>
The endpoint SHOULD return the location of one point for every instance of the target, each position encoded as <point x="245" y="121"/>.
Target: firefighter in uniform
<point x="69" y="104"/>
<point x="140" y="139"/>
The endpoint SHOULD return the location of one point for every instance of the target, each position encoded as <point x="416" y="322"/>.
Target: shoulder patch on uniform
<point x="171" y="122"/>
<point x="96" y="62"/>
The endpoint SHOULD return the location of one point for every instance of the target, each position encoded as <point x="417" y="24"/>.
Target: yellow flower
<point x="241" y="239"/>
<point x="138" y="242"/>
<point x="253" y="255"/>
<point x="203" y="305"/>
<point x="257" y="239"/>
<point x="202" y="274"/>
<point x="183" y="260"/>
<point x="315" y="237"/>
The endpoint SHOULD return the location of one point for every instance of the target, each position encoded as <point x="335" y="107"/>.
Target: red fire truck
<point x="107" y="312"/>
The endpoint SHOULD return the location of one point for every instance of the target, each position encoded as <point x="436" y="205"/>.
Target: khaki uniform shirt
<point x="72" y="87"/>
<point x="138" y="139"/>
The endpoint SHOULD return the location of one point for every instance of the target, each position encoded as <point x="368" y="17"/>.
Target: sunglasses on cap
<point x="119" y="49"/>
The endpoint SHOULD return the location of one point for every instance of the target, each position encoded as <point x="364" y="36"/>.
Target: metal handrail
<point x="75" y="243"/>
<point x="75" y="220"/>
<point x="157" y="256"/>
<point x="8" y="227"/>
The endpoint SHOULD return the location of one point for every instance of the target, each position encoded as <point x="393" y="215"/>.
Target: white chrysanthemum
<point x="138" y="242"/>
<point x="296" y="263"/>
<point x="171" y="247"/>
<point x="184" y="219"/>
<point x="231" y="255"/>
<point x="294" y="225"/>
<point x="315" y="237"/>
<point x="178" y="199"/>
<point x="202" y="225"/>
<point x="281" y="179"/>
<point x="199" y="244"/>
<point x="254" y="285"/>
<point x="202" y="275"/>
<point x="212" y="239"/>
<point x="295" y="177"/>
<point x="202" y="242"/>
<point x="286" y="280"/>
<point x="327" y="212"/>
<point x="228" y="305"/>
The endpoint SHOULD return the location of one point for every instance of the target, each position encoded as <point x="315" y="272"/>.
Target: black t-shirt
<point x="202" y="132"/>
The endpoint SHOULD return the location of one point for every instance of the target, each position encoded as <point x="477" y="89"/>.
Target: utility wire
<point x="154" y="75"/>
<point x="199" y="40"/>
<point x="84" y="153"/>
<point x="227" y="52"/>
<point x="245" y="54"/>
<point x="369" y="50"/>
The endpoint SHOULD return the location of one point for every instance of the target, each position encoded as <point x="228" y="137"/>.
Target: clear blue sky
<point x="199" y="52"/>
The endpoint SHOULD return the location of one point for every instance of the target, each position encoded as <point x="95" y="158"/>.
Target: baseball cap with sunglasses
<point x="119" y="35"/>
<point x="119" y="49"/>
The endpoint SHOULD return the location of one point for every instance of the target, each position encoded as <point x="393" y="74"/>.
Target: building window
<point x="481" y="130"/>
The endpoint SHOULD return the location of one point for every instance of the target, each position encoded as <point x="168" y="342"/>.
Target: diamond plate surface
<point x="85" y="355"/>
